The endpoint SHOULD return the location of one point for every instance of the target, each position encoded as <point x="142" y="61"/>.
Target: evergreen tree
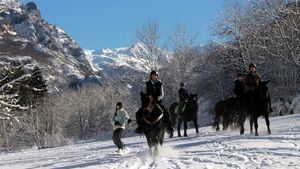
<point x="33" y="88"/>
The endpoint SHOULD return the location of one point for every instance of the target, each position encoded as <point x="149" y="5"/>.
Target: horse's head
<point x="193" y="99"/>
<point x="146" y="99"/>
<point x="147" y="104"/>
<point x="263" y="89"/>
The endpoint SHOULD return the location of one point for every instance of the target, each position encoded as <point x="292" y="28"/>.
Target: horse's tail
<point x="219" y="110"/>
<point x="173" y="113"/>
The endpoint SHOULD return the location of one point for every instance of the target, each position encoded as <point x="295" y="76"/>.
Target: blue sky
<point x="97" y="24"/>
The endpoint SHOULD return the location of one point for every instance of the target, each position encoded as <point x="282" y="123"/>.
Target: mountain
<point x="134" y="57"/>
<point x="27" y="39"/>
<point x="125" y="67"/>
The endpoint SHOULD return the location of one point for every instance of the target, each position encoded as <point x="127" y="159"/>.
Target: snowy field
<point x="209" y="149"/>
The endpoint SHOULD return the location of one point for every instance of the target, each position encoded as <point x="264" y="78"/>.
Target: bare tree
<point x="148" y="35"/>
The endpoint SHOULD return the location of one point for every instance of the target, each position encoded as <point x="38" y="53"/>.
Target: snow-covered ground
<point x="209" y="149"/>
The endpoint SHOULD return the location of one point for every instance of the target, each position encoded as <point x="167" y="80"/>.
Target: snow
<point x="129" y="86"/>
<point x="133" y="57"/>
<point x="12" y="32"/>
<point x="89" y="57"/>
<point x="208" y="149"/>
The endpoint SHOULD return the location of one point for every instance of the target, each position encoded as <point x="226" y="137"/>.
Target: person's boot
<point x="169" y="127"/>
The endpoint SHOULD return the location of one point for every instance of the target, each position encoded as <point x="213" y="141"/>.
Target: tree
<point x="10" y="81"/>
<point x="33" y="88"/>
<point x="148" y="36"/>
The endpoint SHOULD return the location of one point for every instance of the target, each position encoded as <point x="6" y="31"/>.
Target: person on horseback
<point x="239" y="86"/>
<point x="154" y="87"/>
<point x="119" y="121"/>
<point x="252" y="78"/>
<point x="183" y="93"/>
<point x="252" y="81"/>
<point x="239" y="90"/>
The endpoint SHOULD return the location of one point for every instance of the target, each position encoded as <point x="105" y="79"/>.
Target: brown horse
<point x="256" y="103"/>
<point x="227" y="110"/>
<point x="184" y="112"/>
<point x="152" y="122"/>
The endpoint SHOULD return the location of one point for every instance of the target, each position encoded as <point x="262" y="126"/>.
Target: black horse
<point x="227" y="109"/>
<point x="184" y="112"/>
<point x="152" y="122"/>
<point x="256" y="103"/>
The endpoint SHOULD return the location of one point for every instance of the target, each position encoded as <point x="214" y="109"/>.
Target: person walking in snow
<point x="119" y="121"/>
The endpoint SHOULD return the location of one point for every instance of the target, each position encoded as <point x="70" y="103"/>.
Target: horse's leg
<point x="268" y="122"/>
<point x="155" y="152"/>
<point x="224" y="122"/>
<point x="255" y="125"/>
<point x="196" y="125"/>
<point x="161" y="136"/>
<point x="178" y="127"/>
<point x="241" y="123"/>
<point x="185" y="128"/>
<point x="251" y="125"/>
<point x="216" y="122"/>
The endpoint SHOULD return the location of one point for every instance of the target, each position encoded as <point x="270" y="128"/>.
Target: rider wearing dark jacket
<point x="239" y="87"/>
<point x="154" y="88"/>
<point x="183" y="93"/>
<point x="252" y="81"/>
<point x="239" y="91"/>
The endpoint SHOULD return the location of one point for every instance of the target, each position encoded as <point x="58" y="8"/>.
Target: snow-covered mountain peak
<point x="135" y="57"/>
<point x="23" y="33"/>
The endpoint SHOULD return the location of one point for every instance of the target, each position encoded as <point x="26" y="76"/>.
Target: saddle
<point x="180" y="108"/>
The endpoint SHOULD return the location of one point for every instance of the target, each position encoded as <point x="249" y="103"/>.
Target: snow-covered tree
<point x="10" y="80"/>
<point x="10" y="3"/>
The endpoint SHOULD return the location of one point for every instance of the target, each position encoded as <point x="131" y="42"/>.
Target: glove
<point x="129" y="121"/>
<point x="117" y="123"/>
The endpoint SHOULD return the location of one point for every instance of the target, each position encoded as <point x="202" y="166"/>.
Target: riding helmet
<point x="153" y="72"/>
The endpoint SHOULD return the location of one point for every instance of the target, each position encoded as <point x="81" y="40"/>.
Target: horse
<point x="153" y="123"/>
<point x="227" y="110"/>
<point x="256" y="104"/>
<point x="184" y="112"/>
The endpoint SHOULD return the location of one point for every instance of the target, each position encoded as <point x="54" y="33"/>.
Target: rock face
<point x="25" y="38"/>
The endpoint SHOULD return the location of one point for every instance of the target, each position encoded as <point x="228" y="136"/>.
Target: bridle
<point x="150" y="108"/>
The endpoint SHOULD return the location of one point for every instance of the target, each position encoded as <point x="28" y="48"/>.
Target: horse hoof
<point x="256" y="134"/>
<point x="179" y="135"/>
<point x="269" y="132"/>
<point x="185" y="135"/>
<point x="241" y="132"/>
<point x="171" y="135"/>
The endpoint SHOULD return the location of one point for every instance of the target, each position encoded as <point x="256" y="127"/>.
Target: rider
<point x="154" y="87"/>
<point x="239" y="90"/>
<point x="252" y="80"/>
<point x="183" y="93"/>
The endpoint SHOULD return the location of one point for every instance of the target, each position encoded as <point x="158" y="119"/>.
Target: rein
<point x="155" y="121"/>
